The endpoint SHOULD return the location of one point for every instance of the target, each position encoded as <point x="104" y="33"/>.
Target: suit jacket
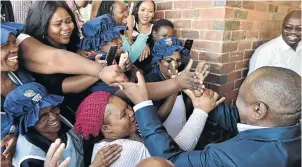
<point x="277" y="147"/>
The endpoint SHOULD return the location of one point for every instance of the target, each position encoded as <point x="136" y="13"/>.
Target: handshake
<point x="189" y="82"/>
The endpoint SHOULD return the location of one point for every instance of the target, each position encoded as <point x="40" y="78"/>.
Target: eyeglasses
<point x="291" y="28"/>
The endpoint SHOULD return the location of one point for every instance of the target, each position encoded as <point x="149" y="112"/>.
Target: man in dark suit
<point x="266" y="120"/>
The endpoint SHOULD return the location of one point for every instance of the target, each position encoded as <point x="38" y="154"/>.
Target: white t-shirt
<point x="177" y="118"/>
<point x="133" y="152"/>
<point x="276" y="53"/>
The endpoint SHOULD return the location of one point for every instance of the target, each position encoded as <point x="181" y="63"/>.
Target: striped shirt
<point x="135" y="151"/>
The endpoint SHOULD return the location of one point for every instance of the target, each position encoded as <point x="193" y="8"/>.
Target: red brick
<point x="264" y="35"/>
<point x="214" y="87"/>
<point x="203" y="3"/>
<point x="249" y="5"/>
<point x="238" y="35"/>
<point x="190" y="13"/>
<point x="199" y="45"/>
<point x="212" y="57"/>
<point x="246" y="25"/>
<point x="283" y="9"/>
<point x="235" y="3"/>
<point x="236" y="56"/>
<point x="216" y="78"/>
<point x="182" y="24"/>
<point x="238" y="83"/>
<point x="257" y="16"/>
<point x="214" y="47"/>
<point x="262" y="7"/>
<point x="229" y="47"/>
<point x="164" y="6"/>
<point x="159" y="15"/>
<point x="182" y="5"/>
<point x="244" y="45"/>
<point x="202" y="34"/>
<point x="194" y="55"/>
<point x="232" y="95"/>
<point x="242" y="64"/>
<point x="225" y="88"/>
<point x="172" y="14"/>
<point x="251" y="34"/>
<point x="227" y="68"/>
<point x="240" y="14"/>
<point x="278" y="17"/>
<point x="214" y="35"/>
<point x="225" y="57"/>
<point x="192" y="34"/>
<point x="227" y="35"/>
<point x="229" y="13"/>
<point x="256" y="44"/>
<point x="203" y="24"/>
<point x="213" y="13"/>
<point x="215" y="68"/>
<point x="248" y="54"/>
<point x="234" y="76"/>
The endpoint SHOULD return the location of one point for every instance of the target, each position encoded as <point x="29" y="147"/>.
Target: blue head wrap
<point x="98" y="31"/>
<point x="24" y="103"/>
<point x="166" y="47"/>
<point x="10" y="28"/>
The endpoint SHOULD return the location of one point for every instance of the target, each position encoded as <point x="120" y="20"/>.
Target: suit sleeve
<point x="159" y="143"/>
<point x="226" y="117"/>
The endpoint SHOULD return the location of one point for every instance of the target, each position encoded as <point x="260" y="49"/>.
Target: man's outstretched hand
<point x="136" y="92"/>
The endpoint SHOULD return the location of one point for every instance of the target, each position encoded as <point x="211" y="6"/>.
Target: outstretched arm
<point x="44" y="59"/>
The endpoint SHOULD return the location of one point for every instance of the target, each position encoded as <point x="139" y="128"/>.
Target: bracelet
<point x="97" y="75"/>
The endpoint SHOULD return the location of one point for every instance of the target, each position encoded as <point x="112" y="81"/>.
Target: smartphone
<point x="111" y="55"/>
<point x="123" y="58"/>
<point x="188" y="44"/>
<point x="194" y="65"/>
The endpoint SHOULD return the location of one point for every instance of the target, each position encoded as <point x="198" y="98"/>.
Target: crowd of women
<point x="62" y="103"/>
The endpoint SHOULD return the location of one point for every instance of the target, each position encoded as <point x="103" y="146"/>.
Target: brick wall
<point x="225" y="33"/>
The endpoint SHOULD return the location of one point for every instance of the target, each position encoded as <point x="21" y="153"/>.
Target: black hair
<point x="160" y="23"/>
<point x="137" y="7"/>
<point x="106" y="7"/>
<point x="38" y="18"/>
<point x="280" y="89"/>
<point x="7" y="11"/>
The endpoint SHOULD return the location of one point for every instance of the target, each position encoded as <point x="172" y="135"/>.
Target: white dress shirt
<point x="276" y="53"/>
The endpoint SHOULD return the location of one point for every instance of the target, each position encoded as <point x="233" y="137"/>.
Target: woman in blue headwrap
<point x="11" y="77"/>
<point x="40" y="124"/>
<point x="168" y="55"/>
<point x="53" y="23"/>
<point x="139" y="51"/>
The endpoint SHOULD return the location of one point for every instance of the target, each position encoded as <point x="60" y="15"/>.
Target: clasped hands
<point x="137" y="92"/>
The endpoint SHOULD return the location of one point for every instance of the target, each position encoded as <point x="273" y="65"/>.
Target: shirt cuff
<point x="21" y="38"/>
<point x="142" y="104"/>
<point x="201" y="112"/>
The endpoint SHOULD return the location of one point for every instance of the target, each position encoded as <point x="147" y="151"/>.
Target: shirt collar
<point x="270" y="134"/>
<point x="242" y="127"/>
<point x="283" y="45"/>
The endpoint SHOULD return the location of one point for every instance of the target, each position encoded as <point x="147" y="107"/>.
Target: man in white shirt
<point x="283" y="51"/>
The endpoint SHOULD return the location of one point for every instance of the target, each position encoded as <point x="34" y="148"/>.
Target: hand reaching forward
<point x="107" y="155"/>
<point x="111" y="75"/>
<point x="207" y="102"/>
<point x="136" y="92"/>
<point x="54" y="154"/>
